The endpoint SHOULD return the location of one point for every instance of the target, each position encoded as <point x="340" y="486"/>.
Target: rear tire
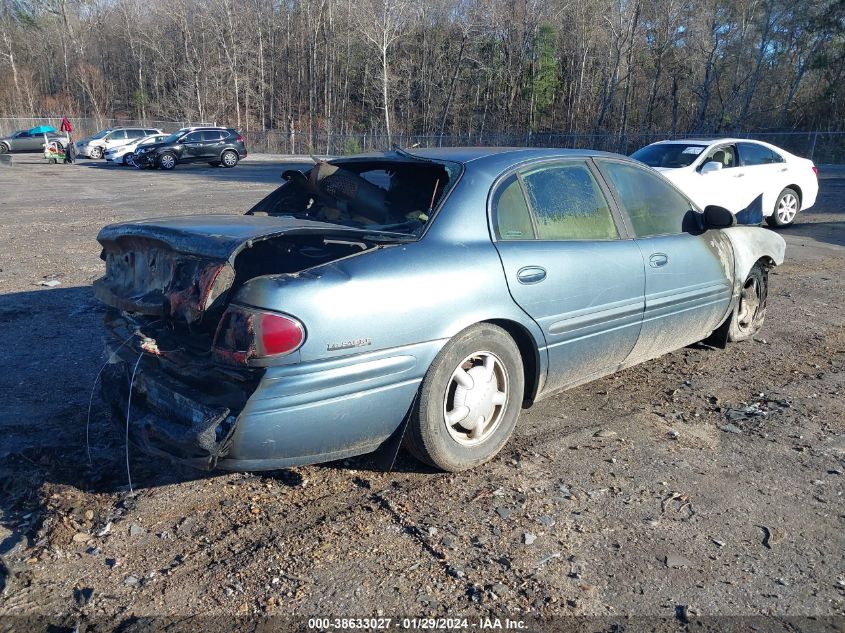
<point x="229" y="158"/>
<point x="469" y="400"/>
<point x="786" y="208"/>
<point x="4" y="149"/>
<point x="167" y="161"/>
<point x="750" y="310"/>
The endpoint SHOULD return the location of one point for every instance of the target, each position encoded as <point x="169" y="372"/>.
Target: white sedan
<point x="122" y="154"/>
<point x="734" y="173"/>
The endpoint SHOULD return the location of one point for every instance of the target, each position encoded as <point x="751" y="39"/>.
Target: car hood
<point x="151" y="146"/>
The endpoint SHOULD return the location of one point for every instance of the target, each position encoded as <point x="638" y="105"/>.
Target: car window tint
<point x="511" y="218"/>
<point x="211" y="135"/>
<point x="753" y="154"/>
<point x="724" y="155"/>
<point x="653" y="205"/>
<point x="117" y="135"/>
<point x="134" y="133"/>
<point x="193" y="137"/>
<point x="568" y="204"/>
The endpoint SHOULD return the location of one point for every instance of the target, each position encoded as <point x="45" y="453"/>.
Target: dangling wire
<point x="128" y="409"/>
<point x="97" y="378"/>
<point x="91" y="398"/>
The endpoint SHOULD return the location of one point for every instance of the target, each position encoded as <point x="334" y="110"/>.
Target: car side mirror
<point x="716" y="217"/>
<point x="711" y="166"/>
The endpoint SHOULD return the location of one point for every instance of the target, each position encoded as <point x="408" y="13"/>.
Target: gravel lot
<point x="705" y="483"/>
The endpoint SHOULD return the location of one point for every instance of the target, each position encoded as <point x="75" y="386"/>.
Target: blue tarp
<point x="42" y="129"/>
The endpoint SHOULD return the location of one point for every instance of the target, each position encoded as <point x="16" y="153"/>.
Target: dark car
<point x="212" y="145"/>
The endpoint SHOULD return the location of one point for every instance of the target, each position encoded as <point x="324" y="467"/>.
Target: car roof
<point x="472" y="154"/>
<point x="707" y="141"/>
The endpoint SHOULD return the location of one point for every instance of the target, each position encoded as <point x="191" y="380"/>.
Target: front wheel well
<point x="530" y="357"/>
<point x="766" y="262"/>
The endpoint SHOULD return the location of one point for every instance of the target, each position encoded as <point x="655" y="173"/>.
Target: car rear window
<point x="395" y="195"/>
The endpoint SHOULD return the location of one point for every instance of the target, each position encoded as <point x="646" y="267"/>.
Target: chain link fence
<point x="822" y="147"/>
<point x="819" y="146"/>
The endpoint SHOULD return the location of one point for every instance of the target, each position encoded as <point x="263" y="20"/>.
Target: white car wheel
<point x="786" y="208"/>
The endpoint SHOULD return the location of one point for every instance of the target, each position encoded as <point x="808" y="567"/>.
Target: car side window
<point x="753" y="154"/>
<point x="211" y="135"/>
<point x="568" y="203"/>
<point x="117" y="135"/>
<point x="511" y="218"/>
<point x="134" y="133"/>
<point x="723" y="154"/>
<point x="193" y="137"/>
<point x="654" y="206"/>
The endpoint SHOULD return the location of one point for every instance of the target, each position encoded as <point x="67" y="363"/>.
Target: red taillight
<point x="240" y="138"/>
<point x="245" y="334"/>
<point x="279" y="334"/>
<point x="816" y="171"/>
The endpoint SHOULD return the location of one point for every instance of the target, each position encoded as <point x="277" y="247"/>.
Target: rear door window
<point x="211" y="136"/>
<point x="753" y="154"/>
<point x="568" y="203"/>
<point x="654" y="206"/>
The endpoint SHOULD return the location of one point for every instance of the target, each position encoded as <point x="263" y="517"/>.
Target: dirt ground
<point x="705" y="483"/>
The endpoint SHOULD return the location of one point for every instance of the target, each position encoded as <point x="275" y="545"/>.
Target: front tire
<point x="4" y="149"/>
<point x="750" y="311"/>
<point x="229" y="158"/>
<point x="786" y="208"/>
<point x="469" y="400"/>
<point x="96" y="152"/>
<point x="167" y="161"/>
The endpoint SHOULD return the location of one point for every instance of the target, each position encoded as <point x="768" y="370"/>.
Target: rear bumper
<point x="297" y="414"/>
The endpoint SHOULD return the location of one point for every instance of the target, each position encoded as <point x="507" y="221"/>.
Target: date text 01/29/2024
<point x="324" y="624"/>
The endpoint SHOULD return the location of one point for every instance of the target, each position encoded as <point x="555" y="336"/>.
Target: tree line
<point x="432" y="67"/>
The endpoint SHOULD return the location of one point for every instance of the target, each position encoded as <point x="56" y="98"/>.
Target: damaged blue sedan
<point x="431" y="295"/>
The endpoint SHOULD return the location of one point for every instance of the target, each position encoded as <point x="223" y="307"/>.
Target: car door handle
<point x="658" y="259"/>
<point x="531" y="274"/>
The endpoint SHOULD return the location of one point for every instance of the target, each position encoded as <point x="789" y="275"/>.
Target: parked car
<point x="450" y="288"/>
<point x="734" y="173"/>
<point x="30" y="140"/>
<point x="97" y="145"/>
<point x="123" y="154"/>
<point x="212" y="145"/>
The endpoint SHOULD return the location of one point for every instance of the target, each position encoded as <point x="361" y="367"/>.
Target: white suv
<point x="96" y="146"/>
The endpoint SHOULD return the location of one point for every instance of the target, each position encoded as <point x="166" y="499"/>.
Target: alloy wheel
<point x="787" y="208"/>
